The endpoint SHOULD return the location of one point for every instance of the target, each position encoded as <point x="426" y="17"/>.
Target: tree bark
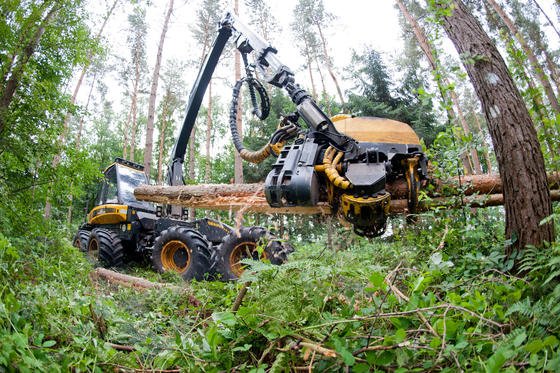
<point x="465" y="185"/>
<point x="251" y="198"/>
<point x="537" y="68"/>
<point x="526" y="196"/>
<point x="148" y="150"/>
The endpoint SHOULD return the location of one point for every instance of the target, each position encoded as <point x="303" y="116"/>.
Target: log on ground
<point x="126" y="280"/>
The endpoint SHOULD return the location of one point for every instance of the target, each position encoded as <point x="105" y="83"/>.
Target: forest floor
<point x="436" y="297"/>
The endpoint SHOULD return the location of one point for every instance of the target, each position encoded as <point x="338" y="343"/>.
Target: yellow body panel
<point x="108" y="214"/>
<point x="370" y="129"/>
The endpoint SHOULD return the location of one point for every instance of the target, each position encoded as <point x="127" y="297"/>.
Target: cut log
<point x="479" y="191"/>
<point x="126" y="280"/>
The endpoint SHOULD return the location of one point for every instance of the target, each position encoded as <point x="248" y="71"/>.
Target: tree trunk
<point x="329" y="64"/>
<point x="321" y="77"/>
<point x="485" y="148"/>
<point x="250" y="197"/>
<point x="310" y="69"/>
<point x="18" y="67"/>
<point x="163" y="127"/>
<point x="85" y="69"/>
<point x="441" y="82"/>
<point x="126" y="132"/>
<point x="547" y="18"/>
<point x="526" y="196"/>
<point x="238" y="163"/>
<point x="553" y="69"/>
<point x="208" y="164"/>
<point x="134" y="107"/>
<point x="537" y="68"/>
<point x="148" y="150"/>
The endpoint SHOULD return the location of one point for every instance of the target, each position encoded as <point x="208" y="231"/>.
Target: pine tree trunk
<point x="537" y="68"/>
<point x="526" y="196"/>
<point x="126" y="132"/>
<point x="134" y="106"/>
<point x="148" y="150"/>
<point x="485" y="148"/>
<point x="322" y="78"/>
<point x="310" y="69"/>
<point x="329" y="64"/>
<point x="476" y="167"/>
<point x="553" y="69"/>
<point x="163" y="127"/>
<point x="547" y="17"/>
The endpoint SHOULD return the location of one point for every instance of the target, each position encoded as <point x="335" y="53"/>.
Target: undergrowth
<point x="435" y="297"/>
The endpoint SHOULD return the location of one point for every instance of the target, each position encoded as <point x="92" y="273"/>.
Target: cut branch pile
<point x="477" y="191"/>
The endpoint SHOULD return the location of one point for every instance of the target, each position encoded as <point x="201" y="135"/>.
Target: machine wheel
<point x="182" y="250"/>
<point x="236" y="247"/>
<point x="105" y="247"/>
<point x="81" y="239"/>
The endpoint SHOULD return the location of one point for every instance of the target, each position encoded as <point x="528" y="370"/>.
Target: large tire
<point x="81" y="240"/>
<point x="105" y="247"/>
<point x="244" y="244"/>
<point x="182" y="250"/>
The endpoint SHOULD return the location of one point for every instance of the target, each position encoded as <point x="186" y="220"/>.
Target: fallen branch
<point x="240" y="296"/>
<point x="319" y="349"/>
<point x="120" y="347"/>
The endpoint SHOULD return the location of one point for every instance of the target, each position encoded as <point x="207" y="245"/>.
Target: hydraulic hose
<point x="330" y="161"/>
<point x="255" y="88"/>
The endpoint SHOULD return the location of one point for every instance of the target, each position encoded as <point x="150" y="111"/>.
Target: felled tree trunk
<point x="216" y="194"/>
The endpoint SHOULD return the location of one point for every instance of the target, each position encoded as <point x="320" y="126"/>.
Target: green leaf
<point x="400" y="335"/>
<point x="377" y="280"/>
<point x="346" y="355"/>
<point x="495" y="362"/>
<point x="517" y="341"/>
<point x="534" y="346"/>
<point x="49" y="343"/>
<point x="245" y="347"/>
<point x="226" y="318"/>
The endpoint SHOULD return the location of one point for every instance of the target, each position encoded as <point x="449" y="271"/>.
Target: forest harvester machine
<point x="344" y="161"/>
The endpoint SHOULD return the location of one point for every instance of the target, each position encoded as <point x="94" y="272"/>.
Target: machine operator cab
<point x="115" y="202"/>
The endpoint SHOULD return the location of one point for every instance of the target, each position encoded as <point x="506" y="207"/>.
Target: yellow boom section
<point x="370" y="129"/>
<point x="108" y="214"/>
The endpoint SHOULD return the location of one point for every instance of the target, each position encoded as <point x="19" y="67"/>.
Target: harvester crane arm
<point x="273" y="71"/>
